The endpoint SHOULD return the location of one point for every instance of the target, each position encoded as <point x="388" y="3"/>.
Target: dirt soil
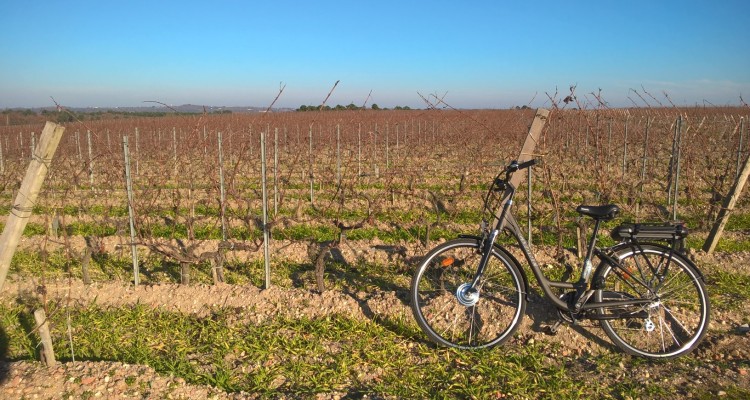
<point x="727" y="344"/>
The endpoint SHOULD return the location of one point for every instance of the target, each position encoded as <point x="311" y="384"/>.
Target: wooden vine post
<point x="726" y="208"/>
<point x="47" y="351"/>
<point x="27" y="195"/>
<point x="529" y="144"/>
<point x="532" y="138"/>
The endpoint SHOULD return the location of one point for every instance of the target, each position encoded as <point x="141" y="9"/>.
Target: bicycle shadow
<point x="540" y="312"/>
<point x="543" y="314"/>
<point x="353" y="278"/>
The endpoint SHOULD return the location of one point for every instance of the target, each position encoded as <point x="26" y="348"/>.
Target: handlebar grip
<point x="527" y="164"/>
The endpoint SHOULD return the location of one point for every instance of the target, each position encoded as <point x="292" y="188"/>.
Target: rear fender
<point x="614" y="250"/>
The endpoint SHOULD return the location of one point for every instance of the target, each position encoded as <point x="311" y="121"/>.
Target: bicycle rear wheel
<point x="452" y="316"/>
<point x="674" y="321"/>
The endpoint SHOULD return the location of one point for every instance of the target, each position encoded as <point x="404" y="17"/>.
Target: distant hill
<point x="194" y="108"/>
<point x="23" y="116"/>
<point x="184" y="108"/>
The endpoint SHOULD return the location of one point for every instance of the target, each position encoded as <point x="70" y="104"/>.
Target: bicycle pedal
<point x="554" y="328"/>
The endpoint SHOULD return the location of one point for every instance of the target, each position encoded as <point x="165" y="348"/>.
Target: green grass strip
<point x="311" y="356"/>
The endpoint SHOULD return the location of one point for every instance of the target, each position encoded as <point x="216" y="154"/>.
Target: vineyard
<point x="341" y="204"/>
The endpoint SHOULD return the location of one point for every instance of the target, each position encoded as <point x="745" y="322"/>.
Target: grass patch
<point x="31" y="229"/>
<point x="728" y="291"/>
<point x="726" y="244"/>
<point x="738" y="222"/>
<point x="302" y="357"/>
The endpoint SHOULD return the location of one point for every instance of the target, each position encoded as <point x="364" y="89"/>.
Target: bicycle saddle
<point x="602" y="213"/>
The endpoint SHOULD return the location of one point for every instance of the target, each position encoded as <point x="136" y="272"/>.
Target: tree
<point x="375" y="106"/>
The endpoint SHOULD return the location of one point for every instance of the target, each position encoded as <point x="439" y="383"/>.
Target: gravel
<point x="90" y="379"/>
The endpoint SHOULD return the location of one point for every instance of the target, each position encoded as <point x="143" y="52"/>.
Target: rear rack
<point x="673" y="232"/>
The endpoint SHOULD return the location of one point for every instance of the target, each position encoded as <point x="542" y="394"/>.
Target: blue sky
<point x="483" y="54"/>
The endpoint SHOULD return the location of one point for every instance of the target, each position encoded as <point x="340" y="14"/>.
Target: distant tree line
<point x="351" y="106"/>
<point x="25" y="112"/>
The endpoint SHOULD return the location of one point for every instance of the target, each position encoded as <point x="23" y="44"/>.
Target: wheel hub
<point x="649" y="325"/>
<point x="466" y="295"/>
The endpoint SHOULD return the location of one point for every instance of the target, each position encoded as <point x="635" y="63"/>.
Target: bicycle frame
<point x="647" y="296"/>
<point x="507" y="222"/>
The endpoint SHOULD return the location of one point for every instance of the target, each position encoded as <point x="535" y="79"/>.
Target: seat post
<point x="582" y="292"/>
<point x="592" y="241"/>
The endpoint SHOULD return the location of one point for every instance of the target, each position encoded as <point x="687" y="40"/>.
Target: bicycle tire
<point x="496" y="312"/>
<point x="676" y="319"/>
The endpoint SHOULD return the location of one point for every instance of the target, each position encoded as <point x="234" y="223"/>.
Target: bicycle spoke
<point x="677" y="321"/>
<point x="672" y="278"/>
<point x="671" y="333"/>
<point x="681" y="288"/>
<point x="453" y="325"/>
<point x="443" y="309"/>
<point x="629" y="281"/>
<point x="471" y="322"/>
<point x="661" y="335"/>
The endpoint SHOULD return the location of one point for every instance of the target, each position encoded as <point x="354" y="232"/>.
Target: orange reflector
<point x="447" y="262"/>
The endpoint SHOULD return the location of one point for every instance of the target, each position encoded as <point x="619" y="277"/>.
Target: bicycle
<point x="648" y="297"/>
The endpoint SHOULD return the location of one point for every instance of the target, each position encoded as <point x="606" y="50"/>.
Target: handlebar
<point x="509" y="170"/>
<point x="515" y="166"/>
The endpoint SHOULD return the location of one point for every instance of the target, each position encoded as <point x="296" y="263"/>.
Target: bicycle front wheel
<point x="449" y="313"/>
<point x="676" y="318"/>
